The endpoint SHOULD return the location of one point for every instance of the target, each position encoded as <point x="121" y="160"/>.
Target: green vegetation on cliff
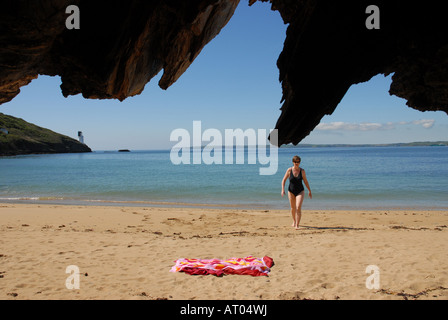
<point x="20" y="137"/>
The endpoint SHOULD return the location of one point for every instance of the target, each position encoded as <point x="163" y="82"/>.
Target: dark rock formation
<point x="121" y="45"/>
<point x="118" y="48"/>
<point x="328" y="48"/>
<point x="21" y="137"/>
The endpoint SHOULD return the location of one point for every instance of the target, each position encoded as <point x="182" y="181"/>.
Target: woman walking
<point x="296" y="191"/>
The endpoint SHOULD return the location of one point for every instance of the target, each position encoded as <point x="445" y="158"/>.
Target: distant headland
<point x="407" y="144"/>
<point x="19" y="137"/>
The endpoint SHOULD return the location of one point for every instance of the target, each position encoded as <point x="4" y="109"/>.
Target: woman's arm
<point x="307" y="184"/>
<point x="284" y="181"/>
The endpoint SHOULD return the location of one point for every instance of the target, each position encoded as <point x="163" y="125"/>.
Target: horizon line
<point x="305" y="145"/>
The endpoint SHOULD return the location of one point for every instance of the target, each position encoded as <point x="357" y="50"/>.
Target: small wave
<point x="30" y="198"/>
<point x="19" y="198"/>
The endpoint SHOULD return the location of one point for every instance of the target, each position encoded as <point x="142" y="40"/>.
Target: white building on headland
<point x="81" y="137"/>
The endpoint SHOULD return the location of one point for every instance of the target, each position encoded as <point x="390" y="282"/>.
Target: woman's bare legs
<point x="298" y="206"/>
<point x="292" y="202"/>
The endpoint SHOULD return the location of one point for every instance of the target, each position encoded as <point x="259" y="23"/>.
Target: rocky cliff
<point x="329" y="47"/>
<point x="121" y="45"/>
<point x="20" y="137"/>
<point x="118" y="48"/>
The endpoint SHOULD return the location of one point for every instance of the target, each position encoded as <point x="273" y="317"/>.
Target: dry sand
<point x="127" y="252"/>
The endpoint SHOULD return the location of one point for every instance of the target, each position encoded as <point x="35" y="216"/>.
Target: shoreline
<point x="126" y="252"/>
<point x="182" y="204"/>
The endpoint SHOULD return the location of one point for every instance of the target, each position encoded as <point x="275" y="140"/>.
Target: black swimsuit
<point x="295" y="183"/>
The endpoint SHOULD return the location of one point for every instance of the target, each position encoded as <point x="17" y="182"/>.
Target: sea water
<point x="340" y="178"/>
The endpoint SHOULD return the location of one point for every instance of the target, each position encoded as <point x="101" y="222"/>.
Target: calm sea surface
<point x="340" y="178"/>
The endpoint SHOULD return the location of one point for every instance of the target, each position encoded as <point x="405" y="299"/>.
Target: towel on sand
<point x="248" y="265"/>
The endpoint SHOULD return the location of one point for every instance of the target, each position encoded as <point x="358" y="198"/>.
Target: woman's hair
<point x="296" y="159"/>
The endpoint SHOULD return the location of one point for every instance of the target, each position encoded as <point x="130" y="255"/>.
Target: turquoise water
<point x="346" y="177"/>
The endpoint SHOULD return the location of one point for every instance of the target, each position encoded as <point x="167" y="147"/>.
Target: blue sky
<point x="232" y="84"/>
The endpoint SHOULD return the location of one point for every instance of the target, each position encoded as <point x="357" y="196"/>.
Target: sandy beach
<point x="127" y="252"/>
